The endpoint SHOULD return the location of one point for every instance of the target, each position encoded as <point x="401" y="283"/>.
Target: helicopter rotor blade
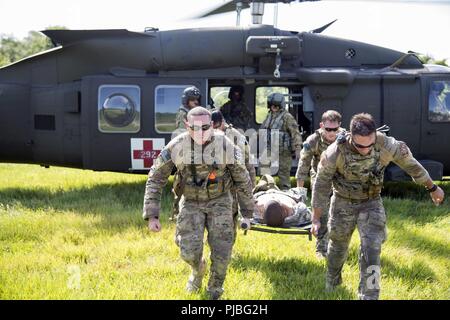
<point x="228" y="6"/>
<point x="321" y="29"/>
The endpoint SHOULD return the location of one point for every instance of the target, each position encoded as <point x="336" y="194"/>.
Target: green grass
<point x="56" y="221"/>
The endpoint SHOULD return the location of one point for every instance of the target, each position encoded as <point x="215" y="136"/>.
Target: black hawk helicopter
<point x="107" y="99"/>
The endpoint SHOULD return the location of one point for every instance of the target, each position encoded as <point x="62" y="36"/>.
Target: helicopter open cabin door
<point x="129" y="119"/>
<point x="436" y="119"/>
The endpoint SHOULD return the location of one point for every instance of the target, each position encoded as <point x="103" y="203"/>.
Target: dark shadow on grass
<point x="119" y="205"/>
<point x="292" y="278"/>
<point x="418" y="271"/>
<point x="418" y="242"/>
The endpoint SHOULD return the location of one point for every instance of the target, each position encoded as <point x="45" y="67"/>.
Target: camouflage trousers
<point x="235" y="211"/>
<point x="322" y="234"/>
<point x="370" y="218"/>
<point x="216" y="216"/>
<point x="284" y="169"/>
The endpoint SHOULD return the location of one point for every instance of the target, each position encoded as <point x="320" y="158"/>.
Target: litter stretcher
<point x="303" y="229"/>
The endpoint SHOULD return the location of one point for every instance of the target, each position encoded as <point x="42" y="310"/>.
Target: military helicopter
<point x="107" y="99"/>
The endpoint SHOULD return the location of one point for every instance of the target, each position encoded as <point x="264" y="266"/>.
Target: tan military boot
<point x="195" y="280"/>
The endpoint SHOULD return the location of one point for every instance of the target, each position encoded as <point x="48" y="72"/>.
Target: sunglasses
<point x="202" y="128"/>
<point x="331" y="129"/>
<point x="360" y="146"/>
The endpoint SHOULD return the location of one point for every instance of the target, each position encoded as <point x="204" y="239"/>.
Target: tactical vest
<point x="203" y="182"/>
<point x="362" y="176"/>
<point x="320" y="147"/>
<point x="277" y="122"/>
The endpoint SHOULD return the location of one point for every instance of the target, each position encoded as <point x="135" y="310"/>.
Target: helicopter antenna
<point x="257" y="12"/>
<point x="238" y="13"/>
<point x="275" y="15"/>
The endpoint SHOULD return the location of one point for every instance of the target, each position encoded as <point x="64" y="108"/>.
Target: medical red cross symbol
<point x="148" y="154"/>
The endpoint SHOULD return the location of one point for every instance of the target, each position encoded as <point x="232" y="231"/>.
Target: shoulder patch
<point x="165" y="155"/>
<point x="341" y="138"/>
<point x="306" y="146"/>
<point x="404" y="150"/>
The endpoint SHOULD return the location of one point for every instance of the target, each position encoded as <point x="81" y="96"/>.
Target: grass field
<point x="78" y="234"/>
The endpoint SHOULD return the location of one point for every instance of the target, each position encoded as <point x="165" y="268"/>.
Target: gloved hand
<point x="154" y="225"/>
<point x="245" y="224"/>
<point x="315" y="228"/>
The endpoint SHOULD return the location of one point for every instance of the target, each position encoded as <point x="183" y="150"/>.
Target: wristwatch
<point x="433" y="188"/>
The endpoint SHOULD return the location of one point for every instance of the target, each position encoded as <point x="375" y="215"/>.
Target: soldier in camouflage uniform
<point x="189" y="99"/>
<point x="290" y="140"/>
<point x="209" y="165"/>
<point x="240" y="141"/>
<point x="235" y="110"/>
<point x="354" y="166"/>
<point x="312" y="149"/>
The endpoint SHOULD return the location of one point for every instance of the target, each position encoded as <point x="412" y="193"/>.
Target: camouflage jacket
<point x="239" y="140"/>
<point x="289" y="135"/>
<point x="181" y="117"/>
<point x="357" y="177"/>
<point x="206" y="172"/>
<point x="236" y="114"/>
<point x="312" y="149"/>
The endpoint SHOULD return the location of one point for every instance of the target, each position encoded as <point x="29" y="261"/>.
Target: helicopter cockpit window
<point x="119" y="108"/>
<point x="439" y="101"/>
<point x="167" y="103"/>
<point x="261" y="101"/>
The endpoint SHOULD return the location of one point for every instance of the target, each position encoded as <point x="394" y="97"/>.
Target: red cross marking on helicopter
<point x="148" y="154"/>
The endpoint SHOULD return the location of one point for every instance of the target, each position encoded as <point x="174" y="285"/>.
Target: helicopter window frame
<point x="125" y="90"/>
<point x="442" y="99"/>
<point x="262" y="114"/>
<point x="164" y="98"/>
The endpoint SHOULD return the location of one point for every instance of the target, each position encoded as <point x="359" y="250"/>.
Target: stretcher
<point x="303" y="229"/>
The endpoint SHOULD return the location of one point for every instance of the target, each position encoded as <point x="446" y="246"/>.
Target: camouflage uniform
<point x="312" y="149"/>
<point x="236" y="114"/>
<point x="290" y="140"/>
<point x="357" y="181"/>
<point x="239" y="140"/>
<point x="181" y="117"/>
<point x="205" y="201"/>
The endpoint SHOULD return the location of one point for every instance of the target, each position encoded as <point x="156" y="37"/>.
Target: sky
<point x="420" y="26"/>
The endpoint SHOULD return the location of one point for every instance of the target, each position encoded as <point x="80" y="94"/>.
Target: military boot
<point x="195" y="280"/>
<point x="214" y="294"/>
<point x="332" y="283"/>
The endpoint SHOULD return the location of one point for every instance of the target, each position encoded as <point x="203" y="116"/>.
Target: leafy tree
<point x="12" y="49"/>
<point x="427" y="59"/>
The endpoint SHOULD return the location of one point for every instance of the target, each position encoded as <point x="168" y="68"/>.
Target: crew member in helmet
<point x="235" y="111"/>
<point x="189" y="99"/>
<point x="290" y="139"/>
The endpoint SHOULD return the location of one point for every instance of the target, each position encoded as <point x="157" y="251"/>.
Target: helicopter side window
<point x="439" y="101"/>
<point x="167" y="104"/>
<point x="119" y="108"/>
<point x="261" y="101"/>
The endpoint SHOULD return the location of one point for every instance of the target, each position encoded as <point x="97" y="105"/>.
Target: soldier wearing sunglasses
<point x="315" y="144"/>
<point x="354" y="166"/>
<point x="206" y="176"/>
